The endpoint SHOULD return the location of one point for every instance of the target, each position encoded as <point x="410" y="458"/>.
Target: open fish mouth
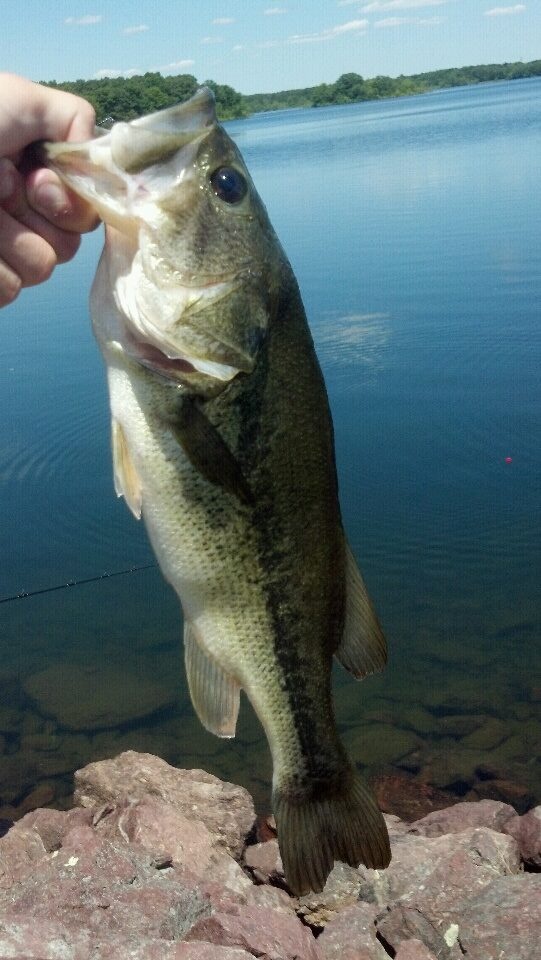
<point x="174" y="368"/>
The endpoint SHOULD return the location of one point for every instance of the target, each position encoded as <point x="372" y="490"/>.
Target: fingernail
<point x="51" y="200"/>
<point x="7" y="179"/>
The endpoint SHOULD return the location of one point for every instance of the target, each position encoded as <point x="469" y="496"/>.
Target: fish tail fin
<point x="313" y="832"/>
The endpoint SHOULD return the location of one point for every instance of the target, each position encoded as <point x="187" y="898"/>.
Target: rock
<point x="460" y="724"/>
<point x="40" y="796"/>
<point x="527" y="832"/>
<point x="519" y="795"/>
<point x="341" y="890"/>
<point x="31" y="940"/>
<point x="444" y="866"/>
<point x="413" y="950"/>
<point x="402" y="923"/>
<point x="503" y="920"/>
<point x="261" y="932"/>
<point x="351" y="935"/>
<point x="264" y="862"/>
<point x="489" y="735"/>
<point x="409" y="799"/>
<point x="378" y="744"/>
<point x="226" y="810"/>
<point x="486" y="813"/>
<point x="94" y="697"/>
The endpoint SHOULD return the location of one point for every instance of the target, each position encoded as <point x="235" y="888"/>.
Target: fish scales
<point x="223" y="442"/>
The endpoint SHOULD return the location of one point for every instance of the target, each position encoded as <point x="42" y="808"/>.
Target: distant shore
<point x="124" y="98"/>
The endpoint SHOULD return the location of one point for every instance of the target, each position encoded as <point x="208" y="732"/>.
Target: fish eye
<point x="228" y="184"/>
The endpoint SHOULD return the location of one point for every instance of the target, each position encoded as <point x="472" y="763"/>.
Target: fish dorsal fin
<point x="208" y="451"/>
<point x="363" y="648"/>
<point x="215" y="694"/>
<point x="127" y="482"/>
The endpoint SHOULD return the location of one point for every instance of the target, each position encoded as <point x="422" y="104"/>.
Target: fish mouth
<point x="179" y="368"/>
<point x="118" y="171"/>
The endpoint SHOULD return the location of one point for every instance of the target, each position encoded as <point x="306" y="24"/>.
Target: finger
<point x="33" y="111"/>
<point x="64" y="243"/>
<point x="28" y="255"/>
<point x="48" y="196"/>
<point x="10" y="284"/>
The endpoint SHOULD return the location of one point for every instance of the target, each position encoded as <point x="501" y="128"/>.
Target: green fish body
<point x="223" y="442"/>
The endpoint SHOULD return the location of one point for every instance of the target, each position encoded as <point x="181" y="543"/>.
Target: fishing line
<point x="76" y="583"/>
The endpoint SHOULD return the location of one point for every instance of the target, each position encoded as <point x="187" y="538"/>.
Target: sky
<point x="261" y="45"/>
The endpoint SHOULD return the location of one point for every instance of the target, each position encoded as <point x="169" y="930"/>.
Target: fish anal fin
<point x="215" y="694"/>
<point x="208" y="452"/>
<point x="315" y="832"/>
<point x="363" y="648"/>
<point x="127" y="482"/>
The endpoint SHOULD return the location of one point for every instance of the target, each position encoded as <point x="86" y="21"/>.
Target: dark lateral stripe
<point x="286" y="622"/>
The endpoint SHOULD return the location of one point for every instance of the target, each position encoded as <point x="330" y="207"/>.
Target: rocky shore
<point x="157" y="863"/>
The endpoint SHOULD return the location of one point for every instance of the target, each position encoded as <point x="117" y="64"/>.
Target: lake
<point x="413" y="228"/>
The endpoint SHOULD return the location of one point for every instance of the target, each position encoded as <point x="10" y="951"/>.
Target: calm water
<point x="413" y="228"/>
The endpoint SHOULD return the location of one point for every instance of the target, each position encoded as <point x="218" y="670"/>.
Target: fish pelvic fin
<point x="363" y="648"/>
<point x="215" y="694"/>
<point x="127" y="481"/>
<point x="313" y="833"/>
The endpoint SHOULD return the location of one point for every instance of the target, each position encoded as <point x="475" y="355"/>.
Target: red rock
<point x="462" y="816"/>
<point x="401" y="923"/>
<point x="263" y="933"/>
<point x="351" y="935"/>
<point x="448" y="867"/>
<point x="341" y="890"/>
<point x="527" y="832"/>
<point x="413" y="950"/>
<point x="264" y="862"/>
<point x="504" y="920"/>
<point x="409" y="799"/>
<point x="518" y="795"/>
<point x="225" y="809"/>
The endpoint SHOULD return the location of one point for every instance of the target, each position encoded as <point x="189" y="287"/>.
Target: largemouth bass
<point x="223" y="442"/>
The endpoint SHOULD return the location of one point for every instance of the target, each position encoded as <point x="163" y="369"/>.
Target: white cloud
<point x="352" y="26"/>
<point x="393" y="21"/>
<point x="223" y="20"/>
<point x="175" y="66"/>
<point x="505" y="11"/>
<point x="113" y="72"/>
<point x="211" y="40"/>
<point x="378" y="5"/>
<point x="239" y="46"/>
<point x="140" y="28"/>
<point x="271" y="11"/>
<point x="85" y="21"/>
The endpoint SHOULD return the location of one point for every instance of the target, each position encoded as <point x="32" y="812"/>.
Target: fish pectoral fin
<point x="215" y="694"/>
<point x="208" y="452"/>
<point x="363" y="648"/>
<point x="127" y="482"/>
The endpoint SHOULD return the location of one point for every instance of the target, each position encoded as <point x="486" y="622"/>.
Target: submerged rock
<point x="161" y="864"/>
<point x="95" y="697"/>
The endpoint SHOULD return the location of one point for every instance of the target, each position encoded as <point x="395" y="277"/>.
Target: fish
<point x="222" y="441"/>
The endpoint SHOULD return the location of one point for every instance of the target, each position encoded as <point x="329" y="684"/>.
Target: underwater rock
<point x="153" y="865"/>
<point x="95" y="697"/>
<point x="406" y="797"/>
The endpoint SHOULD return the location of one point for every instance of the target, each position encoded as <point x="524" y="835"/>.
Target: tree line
<point x="124" y="98"/>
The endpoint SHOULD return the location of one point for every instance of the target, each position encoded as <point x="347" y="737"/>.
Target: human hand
<point x="40" y="219"/>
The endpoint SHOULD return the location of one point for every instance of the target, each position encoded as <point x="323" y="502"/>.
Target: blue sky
<point x="262" y="46"/>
